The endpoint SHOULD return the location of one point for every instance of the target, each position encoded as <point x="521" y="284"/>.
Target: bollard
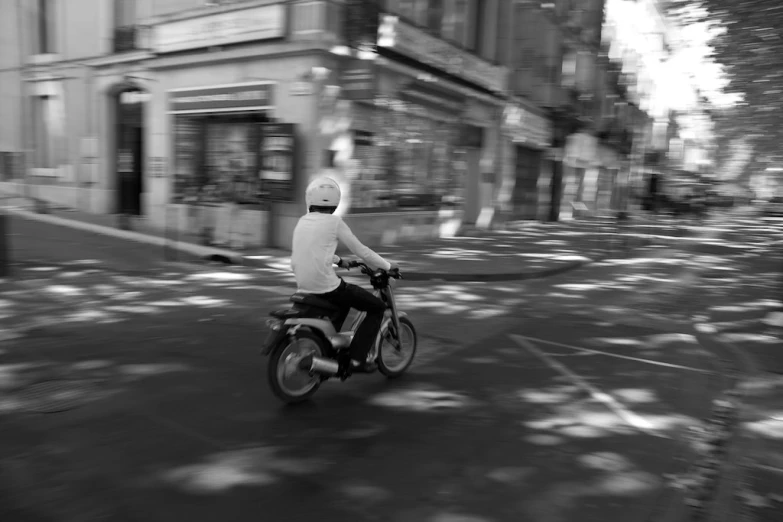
<point x="4" y="250"/>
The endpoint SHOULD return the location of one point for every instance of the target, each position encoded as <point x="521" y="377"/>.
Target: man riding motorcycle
<point x="312" y="258"/>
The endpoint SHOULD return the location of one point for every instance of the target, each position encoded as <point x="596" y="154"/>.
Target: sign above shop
<point x="277" y="159"/>
<point x="405" y="39"/>
<point x="422" y="93"/>
<point x="357" y="79"/>
<point x="524" y="127"/>
<point x="256" y="96"/>
<point x="245" y="25"/>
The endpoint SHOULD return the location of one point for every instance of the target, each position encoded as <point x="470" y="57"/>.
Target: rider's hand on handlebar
<point x="394" y="271"/>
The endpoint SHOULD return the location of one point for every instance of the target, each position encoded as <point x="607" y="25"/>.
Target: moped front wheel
<point x="289" y="383"/>
<point x="392" y="362"/>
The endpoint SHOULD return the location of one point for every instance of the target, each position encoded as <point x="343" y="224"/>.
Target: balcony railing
<point x="126" y="38"/>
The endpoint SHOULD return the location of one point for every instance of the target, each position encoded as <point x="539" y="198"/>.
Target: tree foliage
<point x="750" y="47"/>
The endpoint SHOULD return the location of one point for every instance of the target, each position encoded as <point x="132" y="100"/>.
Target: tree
<point x="751" y="50"/>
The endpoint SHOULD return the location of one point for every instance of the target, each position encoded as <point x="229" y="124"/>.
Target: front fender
<point x="387" y="319"/>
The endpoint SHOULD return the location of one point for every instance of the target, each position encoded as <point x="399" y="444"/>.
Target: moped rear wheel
<point x="391" y="362"/>
<point x="290" y="384"/>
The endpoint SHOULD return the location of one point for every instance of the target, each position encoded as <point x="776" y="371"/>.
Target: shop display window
<point x="215" y="161"/>
<point x="409" y="162"/>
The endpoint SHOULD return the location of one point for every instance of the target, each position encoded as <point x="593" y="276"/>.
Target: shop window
<point x="455" y="24"/>
<point x="230" y="163"/>
<point x="475" y="32"/>
<point x="504" y="34"/>
<point x="48" y="130"/>
<point x="435" y="15"/>
<point x="215" y="161"/>
<point x="188" y="176"/>
<point x="408" y="163"/>
<point x="417" y="12"/>
<point x="45" y="23"/>
<point x="403" y="8"/>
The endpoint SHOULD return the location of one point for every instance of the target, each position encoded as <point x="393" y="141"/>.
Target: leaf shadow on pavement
<point x="458" y="444"/>
<point x="172" y="427"/>
<point x="176" y="427"/>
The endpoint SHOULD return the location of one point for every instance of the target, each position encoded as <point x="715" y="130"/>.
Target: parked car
<point x="719" y="200"/>
<point x="773" y="207"/>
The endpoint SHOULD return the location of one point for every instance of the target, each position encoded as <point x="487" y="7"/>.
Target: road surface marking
<point x="617" y="355"/>
<point x="610" y="402"/>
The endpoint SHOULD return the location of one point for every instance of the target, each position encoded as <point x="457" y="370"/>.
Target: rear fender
<point x="325" y="326"/>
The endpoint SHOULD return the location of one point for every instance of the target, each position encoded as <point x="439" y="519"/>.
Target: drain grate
<point x="55" y="396"/>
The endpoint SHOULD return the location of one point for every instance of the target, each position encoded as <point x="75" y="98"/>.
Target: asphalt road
<point x="552" y="400"/>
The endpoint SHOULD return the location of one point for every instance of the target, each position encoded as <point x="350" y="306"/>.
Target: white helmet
<point x="322" y="192"/>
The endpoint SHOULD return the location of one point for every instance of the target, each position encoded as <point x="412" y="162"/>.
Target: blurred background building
<point x="211" y="117"/>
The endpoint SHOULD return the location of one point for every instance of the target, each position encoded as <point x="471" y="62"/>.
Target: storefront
<point x="409" y="154"/>
<point x="228" y="132"/>
<point x="221" y="150"/>
<point x="526" y="137"/>
<point x="422" y="146"/>
<point x="414" y="151"/>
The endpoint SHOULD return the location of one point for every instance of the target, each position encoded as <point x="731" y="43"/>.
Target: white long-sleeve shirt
<point x="312" y="256"/>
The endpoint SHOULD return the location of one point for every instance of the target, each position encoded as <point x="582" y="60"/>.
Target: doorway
<point x="527" y="170"/>
<point x="130" y="111"/>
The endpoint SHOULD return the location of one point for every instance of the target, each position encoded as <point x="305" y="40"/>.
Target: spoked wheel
<point x="392" y="362"/>
<point x="288" y="382"/>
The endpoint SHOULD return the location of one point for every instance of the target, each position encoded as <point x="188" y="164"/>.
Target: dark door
<point x="130" y="152"/>
<point x="525" y="196"/>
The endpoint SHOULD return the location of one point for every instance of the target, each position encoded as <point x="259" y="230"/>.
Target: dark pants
<point x="347" y="296"/>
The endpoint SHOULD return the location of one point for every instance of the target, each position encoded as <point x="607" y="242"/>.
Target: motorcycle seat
<point x="286" y="314"/>
<point x="311" y="300"/>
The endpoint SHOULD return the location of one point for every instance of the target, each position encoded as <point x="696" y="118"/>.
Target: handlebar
<point x="393" y="273"/>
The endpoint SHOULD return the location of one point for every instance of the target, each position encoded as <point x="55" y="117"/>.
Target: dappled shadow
<point x="219" y="472"/>
<point x="471" y="441"/>
<point x="93" y="333"/>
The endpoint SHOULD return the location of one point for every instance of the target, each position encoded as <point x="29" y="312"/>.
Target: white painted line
<point x="771" y="469"/>
<point x="617" y="355"/>
<point x="9" y="335"/>
<point x="607" y="400"/>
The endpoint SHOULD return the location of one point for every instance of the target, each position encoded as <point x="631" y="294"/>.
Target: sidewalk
<point x="522" y="251"/>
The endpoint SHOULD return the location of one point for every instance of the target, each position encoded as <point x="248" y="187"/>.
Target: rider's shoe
<point x="363" y="367"/>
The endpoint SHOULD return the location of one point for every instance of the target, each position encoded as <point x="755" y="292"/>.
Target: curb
<point x="202" y="252"/>
<point x="720" y="503"/>
<point x="478" y="277"/>
<point x="724" y="504"/>
<point x="213" y="254"/>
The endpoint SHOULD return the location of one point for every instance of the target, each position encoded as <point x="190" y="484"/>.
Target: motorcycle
<point x="305" y="347"/>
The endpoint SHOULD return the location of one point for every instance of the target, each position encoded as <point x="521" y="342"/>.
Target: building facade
<point x="210" y="118"/>
<point x="554" y="157"/>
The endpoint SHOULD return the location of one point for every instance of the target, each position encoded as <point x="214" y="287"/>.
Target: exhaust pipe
<point x="312" y="364"/>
